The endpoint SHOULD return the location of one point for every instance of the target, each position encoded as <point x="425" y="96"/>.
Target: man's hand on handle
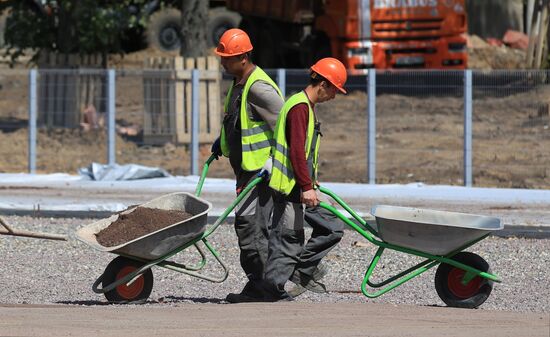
<point x="266" y="169"/>
<point x="310" y="198"/>
<point x="216" y="148"/>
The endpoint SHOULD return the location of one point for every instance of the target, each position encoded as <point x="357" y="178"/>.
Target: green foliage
<point x="70" y="26"/>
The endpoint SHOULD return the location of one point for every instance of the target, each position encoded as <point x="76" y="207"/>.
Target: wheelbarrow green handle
<point x="234" y="204"/>
<point x="203" y="174"/>
<point x="341" y="202"/>
<point x="261" y="175"/>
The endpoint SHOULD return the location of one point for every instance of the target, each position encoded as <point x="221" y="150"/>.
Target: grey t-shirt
<point x="263" y="103"/>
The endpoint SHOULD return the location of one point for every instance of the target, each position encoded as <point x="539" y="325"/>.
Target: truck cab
<point x="406" y="34"/>
<point x="362" y="33"/>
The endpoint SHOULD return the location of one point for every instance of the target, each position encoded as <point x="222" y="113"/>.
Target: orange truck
<point x="363" y="34"/>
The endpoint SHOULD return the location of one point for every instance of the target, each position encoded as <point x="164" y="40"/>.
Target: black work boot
<point x="250" y="293"/>
<point x="241" y="298"/>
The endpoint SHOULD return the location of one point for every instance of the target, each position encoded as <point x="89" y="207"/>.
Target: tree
<point x="194" y="19"/>
<point x="69" y="26"/>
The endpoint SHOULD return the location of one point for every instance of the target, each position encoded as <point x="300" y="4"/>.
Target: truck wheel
<point x="137" y="292"/>
<point x="449" y="287"/>
<point x="163" y="30"/>
<point x="219" y="20"/>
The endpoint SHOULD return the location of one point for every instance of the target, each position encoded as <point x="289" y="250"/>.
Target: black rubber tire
<point x="164" y="29"/>
<point x="450" y="289"/>
<point x="220" y="19"/>
<point x="137" y="292"/>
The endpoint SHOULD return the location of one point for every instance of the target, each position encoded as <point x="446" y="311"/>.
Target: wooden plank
<point x="163" y="111"/>
<point x="82" y="87"/>
<point x="542" y="37"/>
<point x="189" y="65"/>
<point x="71" y="109"/>
<point x="179" y="96"/>
<point x="52" y="85"/>
<point x="42" y="90"/>
<point x="203" y="100"/>
<point x="152" y="102"/>
<point x="155" y="98"/>
<point x="60" y="91"/>
<point x="170" y="97"/>
<point x="147" y="99"/>
<point x="214" y="107"/>
<point x="168" y="101"/>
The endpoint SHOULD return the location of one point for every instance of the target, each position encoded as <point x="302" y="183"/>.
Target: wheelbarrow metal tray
<point x="430" y="231"/>
<point x="158" y="243"/>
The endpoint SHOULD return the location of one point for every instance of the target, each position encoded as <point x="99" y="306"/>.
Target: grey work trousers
<point x="327" y="232"/>
<point x="252" y="219"/>
<point x="286" y="242"/>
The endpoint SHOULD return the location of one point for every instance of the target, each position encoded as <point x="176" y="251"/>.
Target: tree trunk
<point x="194" y="16"/>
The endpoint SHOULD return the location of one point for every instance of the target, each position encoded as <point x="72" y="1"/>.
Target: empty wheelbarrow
<point x="128" y="278"/>
<point x="463" y="279"/>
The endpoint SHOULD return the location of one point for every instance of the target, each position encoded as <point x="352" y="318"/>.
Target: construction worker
<point x="251" y="109"/>
<point x="294" y="180"/>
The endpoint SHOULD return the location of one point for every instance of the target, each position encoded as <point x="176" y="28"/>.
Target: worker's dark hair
<point x="248" y="56"/>
<point x="315" y="78"/>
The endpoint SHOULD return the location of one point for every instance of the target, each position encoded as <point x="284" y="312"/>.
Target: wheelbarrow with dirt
<point x="462" y="279"/>
<point x="128" y="278"/>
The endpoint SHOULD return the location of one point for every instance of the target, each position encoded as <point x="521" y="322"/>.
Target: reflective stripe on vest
<point x="282" y="174"/>
<point x="256" y="136"/>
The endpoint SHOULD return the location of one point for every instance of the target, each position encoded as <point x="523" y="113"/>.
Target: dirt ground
<point x="418" y="133"/>
<point x="253" y="319"/>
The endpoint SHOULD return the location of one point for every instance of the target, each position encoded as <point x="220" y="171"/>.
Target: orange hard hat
<point x="234" y="42"/>
<point x="333" y="70"/>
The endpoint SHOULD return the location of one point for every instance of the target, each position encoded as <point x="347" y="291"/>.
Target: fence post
<point x="111" y="149"/>
<point x="281" y="81"/>
<point x="32" y="121"/>
<point x="371" y="146"/>
<point x="195" y="115"/>
<point x="468" y="127"/>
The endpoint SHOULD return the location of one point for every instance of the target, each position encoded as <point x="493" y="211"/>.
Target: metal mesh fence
<point x="14" y="121"/>
<point x="153" y="117"/>
<point x="71" y="119"/>
<point x="419" y="123"/>
<point x="510" y="129"/>
<point x="419" y="127"/>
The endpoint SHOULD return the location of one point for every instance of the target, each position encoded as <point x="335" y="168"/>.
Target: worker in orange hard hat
<point x="294" y="181"/>
<point x="250" y="110"/>
<point x="234" y="42"/>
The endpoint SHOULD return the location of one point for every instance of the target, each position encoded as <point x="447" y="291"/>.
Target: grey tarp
<point x="121" y="172"/>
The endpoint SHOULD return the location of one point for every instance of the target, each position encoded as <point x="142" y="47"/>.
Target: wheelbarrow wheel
<point x="137" y="292"/>
<point x="449" y="287"/>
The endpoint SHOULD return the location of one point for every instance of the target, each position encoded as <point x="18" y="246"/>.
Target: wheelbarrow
<point x="462" y="279"/>
<point x="128" y="278"/>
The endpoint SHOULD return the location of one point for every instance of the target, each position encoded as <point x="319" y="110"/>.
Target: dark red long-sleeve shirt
<point x="296" y="132"/>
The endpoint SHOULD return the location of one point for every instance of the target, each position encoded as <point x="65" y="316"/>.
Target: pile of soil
<point x="138" y="223"/>
<point x="482" y="55"/>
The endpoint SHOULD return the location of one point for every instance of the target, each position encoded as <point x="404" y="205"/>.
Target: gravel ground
<point x="35" y="271"/>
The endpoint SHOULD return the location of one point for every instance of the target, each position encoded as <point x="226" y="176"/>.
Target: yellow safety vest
<point x="282" y="174"/>
<point x="256" y="136"/>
